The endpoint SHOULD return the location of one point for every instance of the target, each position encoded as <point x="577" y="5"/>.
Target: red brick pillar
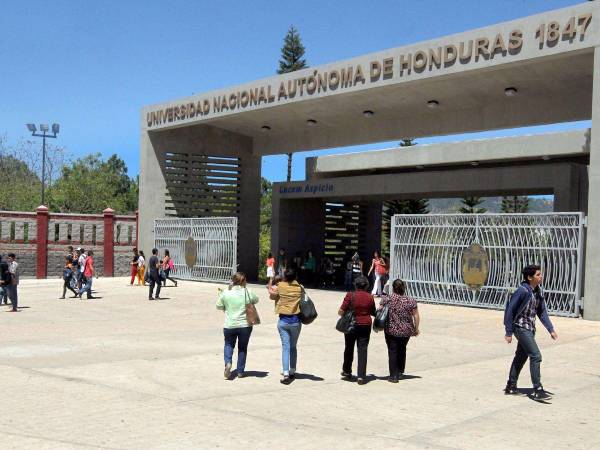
<point x="42" y="241"/>
<point x="109" y="246"/>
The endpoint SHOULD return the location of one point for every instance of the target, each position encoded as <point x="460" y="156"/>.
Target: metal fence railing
<point x="203" y="249"/>
<point x="426" y="251"/>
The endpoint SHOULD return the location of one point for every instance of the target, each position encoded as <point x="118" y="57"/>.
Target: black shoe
<point x="346" y="376"/>
<point x="393" y="379"/>
<point x="540" y="394"/>
<point x="91" y="297"/>
<point x="286" y="380"/>
<point x="156" y="297"/>
<point x="241" y="375"/>
<point x="361" y="381"/>
<point x="510" y="389"/>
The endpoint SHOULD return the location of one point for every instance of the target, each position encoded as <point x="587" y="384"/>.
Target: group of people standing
<point x="78" y="272"/>
<point x="9" y="281"/>
<point x="324" y="274"/>
<point x="287" y="292"/>
<point x="153" y="273"/>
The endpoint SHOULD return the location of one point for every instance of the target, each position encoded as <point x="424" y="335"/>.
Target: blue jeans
<point x="526" y="348"/>
<point x="289" y="333"/>
<point x="243" y="337"/>
<point x="87" y="287"/>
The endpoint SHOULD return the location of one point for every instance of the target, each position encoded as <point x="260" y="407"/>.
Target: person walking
<point x="13" y="268"/>
<point x="153" y="268"/>
<point x="356" y="267"/>
<point x="524" y="305"/>
<point x="81" y="266"/>
<point x="141" y="268"/>
<point x="270" y="263"/>
<point x="281" y="262"/>
<point x="403" y="322"/>
<point x="168" y="266"/>
<point x="379" y="266"/>
<point x="233" y="301"/>
<point x="309" y="268"/>
<point x="134" y="265"/>
<point x="6" y="281"/>
<point x="88" y="275"/>
<point x="364" y="307"/>
<point x="68" y="277"/>
<point x="287" y="296"/>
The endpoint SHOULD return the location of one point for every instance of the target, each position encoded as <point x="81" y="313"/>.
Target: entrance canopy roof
<point x="534" y="70"/>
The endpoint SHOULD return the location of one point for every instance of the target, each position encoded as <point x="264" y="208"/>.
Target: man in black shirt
<point x="153" y="267"/>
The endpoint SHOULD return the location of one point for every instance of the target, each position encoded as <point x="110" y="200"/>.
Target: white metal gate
<point x="213" y="252"/>
<point x="426" y="252"/>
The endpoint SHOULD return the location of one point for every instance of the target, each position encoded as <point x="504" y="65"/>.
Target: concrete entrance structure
<point x="200" y="155"/>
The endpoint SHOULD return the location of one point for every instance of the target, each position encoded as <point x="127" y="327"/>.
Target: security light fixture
<point x="474" y="163"/>
<point x="311" y="122"/>
<point x="265" y="128"/>
<point x="43" y="134"/>
<point x="510" y="91"/>
<point x="433" y="104"/>
<point x="368" y="113"/>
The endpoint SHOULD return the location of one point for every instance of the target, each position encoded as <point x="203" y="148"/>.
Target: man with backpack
<point x="525" y="304"/>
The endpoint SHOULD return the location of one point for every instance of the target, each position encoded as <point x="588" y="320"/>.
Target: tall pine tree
<point x="471" y="205"/>
<point x="292" y="54"/>
<point x="515" y="204"/>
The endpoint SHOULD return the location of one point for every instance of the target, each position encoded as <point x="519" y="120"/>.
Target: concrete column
<point x="249" y="215"/>
<point x="568" y="189"/>
<point x="592" y="266"/>
<point x="152" y="191"/>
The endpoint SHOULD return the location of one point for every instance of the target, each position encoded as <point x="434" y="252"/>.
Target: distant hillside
<point x="492" y="204"/>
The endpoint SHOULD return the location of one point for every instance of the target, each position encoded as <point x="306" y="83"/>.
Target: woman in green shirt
<point x="233" y="301"/>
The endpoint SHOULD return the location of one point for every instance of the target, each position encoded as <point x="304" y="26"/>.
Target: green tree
<point x="471" y="205"/>
<point x="266" y="192"/>
<point x="89" y="185"/>
<point x="20" y="187"/>
<point x="515" y="204"/>
<point x="292" y="59"/>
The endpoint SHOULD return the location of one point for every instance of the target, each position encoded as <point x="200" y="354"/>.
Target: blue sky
<point x="91" y="66"/>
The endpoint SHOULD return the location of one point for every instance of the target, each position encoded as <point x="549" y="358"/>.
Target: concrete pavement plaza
<point x="123" y="372"/>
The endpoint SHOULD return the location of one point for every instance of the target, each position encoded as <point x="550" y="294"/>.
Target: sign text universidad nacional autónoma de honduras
<point x="317" y="82"/>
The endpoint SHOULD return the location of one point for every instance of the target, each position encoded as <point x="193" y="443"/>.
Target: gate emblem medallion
<point x="191" y="252"/>
<point x="475" y="266"/>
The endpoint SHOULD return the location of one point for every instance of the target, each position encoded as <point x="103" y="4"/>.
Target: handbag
<point x="347" y="321"/>
<point x="251" y="312"/>
<point x="382" y="318"/>
<point x="308" y="312"/>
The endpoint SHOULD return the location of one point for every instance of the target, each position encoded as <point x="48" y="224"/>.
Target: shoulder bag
<point x="251" y="312"/>
<point x="308" y="312"/>
<point x="347" y="322"/>
<point x="382" y="318"/>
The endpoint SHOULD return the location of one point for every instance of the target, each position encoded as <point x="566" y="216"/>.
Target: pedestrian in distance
<point x="88" y="276"/>
<point x="134" y="265"/>
<point x="68" y="277"/>
<point x="363" y="305"/>
<point x="287" y="297"/>
<point x="6" y="281"/>
<point x="81" y="257"/>
<point x="525" y="304"/>
<point x="236" y="328"/>
<point x="378" y="266"/>
<point x="154" y="278"/>
<point x="403" y="322"/>
<point x="270" y="263"/>
<point x="168" y="266"/>
<point x="141" y="268"/>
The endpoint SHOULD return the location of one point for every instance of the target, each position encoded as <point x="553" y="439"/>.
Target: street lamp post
<point x="44" y="134"/>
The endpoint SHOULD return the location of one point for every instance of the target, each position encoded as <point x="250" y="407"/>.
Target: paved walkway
<point x="123" y="372"/>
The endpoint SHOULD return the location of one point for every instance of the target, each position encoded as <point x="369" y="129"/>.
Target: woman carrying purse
<point x="236" y="328"/>
<point x="403" y="322"/>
